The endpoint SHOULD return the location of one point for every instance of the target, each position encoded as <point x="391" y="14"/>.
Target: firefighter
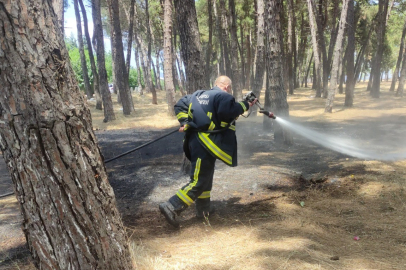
<point x="207" y="117"/>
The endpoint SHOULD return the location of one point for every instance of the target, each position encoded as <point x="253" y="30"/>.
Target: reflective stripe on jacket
<point x="212" y="110"/>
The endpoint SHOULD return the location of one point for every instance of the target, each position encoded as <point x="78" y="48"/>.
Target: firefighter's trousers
<point x="201" y="177"/>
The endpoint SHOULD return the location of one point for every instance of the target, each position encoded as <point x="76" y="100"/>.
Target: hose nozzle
<point x="268" y="113"/>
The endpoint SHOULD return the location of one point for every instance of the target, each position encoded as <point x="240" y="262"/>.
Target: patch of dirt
<point x="284" y="207"/>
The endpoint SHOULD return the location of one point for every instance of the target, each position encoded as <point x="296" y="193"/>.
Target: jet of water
<point x="344" y="146"/>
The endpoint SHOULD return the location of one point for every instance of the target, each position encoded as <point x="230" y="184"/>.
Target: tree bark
<point x="101" y="66"/>
<point x="235" y="71"/>
<point x="401" y="86"/>
<point x="137" y="63"/>
<point x="396" y="72"/>
<point x="275" y="97"/>
<point x="158" y="69"/>
<point x="221" y="60"/>
<point x="70" y="218"/>
<point x="380" y="33"/>
<point x="168" y="67"/>
<point x="130" y="38"/>
<point x="349" y="86"/>
<point x="149" y="58"/>
<point x="119" y="68"/>
<point x="291" y="47"/>
<point x="260" y="52"/>
<point x="210" y="41"/>
<point x="320" y="24"/>
<point x="96" y="84"/>
<point x="58" y="6"/>
<point x="248" y="46"/>
<point x="83" y="63"/>
<point x="225" y="39"/>
<point x="336" y="58"/>
<point x="316" y="54"/>
<point x="191" y="49"/>
<point x="308" y="70"/>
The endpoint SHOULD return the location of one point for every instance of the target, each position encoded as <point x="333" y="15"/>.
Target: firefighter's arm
<point x="229" y="108"/>
<point x="181" y="110"/>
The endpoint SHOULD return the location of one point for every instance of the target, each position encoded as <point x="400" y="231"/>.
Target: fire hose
<point x="119" y="156"/>
<point x="250" y="97"/>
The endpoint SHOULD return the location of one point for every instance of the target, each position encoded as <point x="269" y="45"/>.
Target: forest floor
<point x="284" y="207"/>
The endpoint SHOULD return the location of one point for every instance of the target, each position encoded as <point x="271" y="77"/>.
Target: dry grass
<point x="274" y="231"/>
<point x="370" y="204"/>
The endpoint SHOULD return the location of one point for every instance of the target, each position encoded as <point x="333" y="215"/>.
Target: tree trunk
<point x="221" y="60"/>
<point x="130" y="38"/>
<point x="150" y="63"/>
<point x="190" y="45"/>
<point x="168" y="67"/>
<point x="276" y="97"/>
<point x="58" y="6"/>
<point x="158" y="69"/>
<point x="333" y="35"/>
<point x="225" y="39"/>
<point x="302" y="48"/>
<point x="291" y="47"/>
<point x="336" y="58"/>
<point x="210" y="41"/>
<point x="96" y="85"/>
<point x="316" y="54"/>
<point x="70" y="218"/>
<point x="260" y="52"/>
<point x="401" y="86"/>
<point x="119" y="68"/>
<point x="395" y="75"/>
<point x="322" y="47"/>
<point x="380" y="33"/>
<point x="249" y="62"/>
<point x="235" y="72"/>
<point x="83" y="64"/>
<point x="101" y="66"/>
<point x="349" y="86"/>
<point x="308" y="70"/>
<point x="137" y="63"/>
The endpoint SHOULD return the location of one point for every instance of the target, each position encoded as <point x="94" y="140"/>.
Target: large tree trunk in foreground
<point x="191" y="48"/>
<point x="46" y="136"/>
<point x="168" y="67"/>
<point x="275" y="97"/>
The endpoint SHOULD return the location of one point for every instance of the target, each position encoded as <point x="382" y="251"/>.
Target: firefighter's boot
<point x="203" y="208"/>
<point x="171" y="209"/>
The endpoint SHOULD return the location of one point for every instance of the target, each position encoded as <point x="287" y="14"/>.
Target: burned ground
<point x="300" y="206"/>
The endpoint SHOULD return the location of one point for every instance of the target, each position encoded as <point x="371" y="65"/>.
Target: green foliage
<point x="74" y="56"/>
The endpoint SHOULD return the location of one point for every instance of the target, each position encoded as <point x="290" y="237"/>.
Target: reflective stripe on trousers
<point x="201" y="174"/>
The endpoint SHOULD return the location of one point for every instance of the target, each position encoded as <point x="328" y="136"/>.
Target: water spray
<point x="344" y="146"/>
<point x="347" y="147"/>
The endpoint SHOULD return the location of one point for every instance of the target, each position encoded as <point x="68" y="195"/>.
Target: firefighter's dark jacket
<point x="207" y="110"/>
